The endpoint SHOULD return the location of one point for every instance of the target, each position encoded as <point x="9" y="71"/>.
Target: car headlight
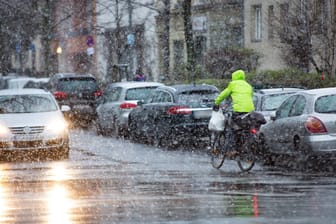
<point x="57" y="127"/>
<point x="4" y="131"/>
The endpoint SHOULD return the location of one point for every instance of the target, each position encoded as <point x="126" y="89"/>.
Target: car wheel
<point x="156" y="141"/>
<point x="99" y="129"/>
<point x="296" y="143"/>
<point x="263" y="152"/>
<point x="116" y="130"/>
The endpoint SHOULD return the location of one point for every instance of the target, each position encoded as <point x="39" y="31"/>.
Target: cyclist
<point x="241" y="94"/>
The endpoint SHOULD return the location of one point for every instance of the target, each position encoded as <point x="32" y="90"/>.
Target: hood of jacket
<point x="238" y="75"/>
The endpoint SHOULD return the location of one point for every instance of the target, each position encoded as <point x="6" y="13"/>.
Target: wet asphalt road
<point x="108" y="180"/>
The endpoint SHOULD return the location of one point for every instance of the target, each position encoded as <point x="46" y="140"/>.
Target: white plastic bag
<point x="216" y="122"/>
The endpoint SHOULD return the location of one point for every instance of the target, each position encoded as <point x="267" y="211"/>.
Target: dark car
<point x="80" y="92"/>
<point x="173" y="114"/>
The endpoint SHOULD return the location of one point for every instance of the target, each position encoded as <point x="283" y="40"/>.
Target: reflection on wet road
<point x="107" y="180"/>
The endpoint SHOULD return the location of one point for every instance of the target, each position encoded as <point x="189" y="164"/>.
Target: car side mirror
<point x="273" y="115"/>
<point x="140" y="102"/>
<point x="100" y="100"/>
<point x="65" y="108"/>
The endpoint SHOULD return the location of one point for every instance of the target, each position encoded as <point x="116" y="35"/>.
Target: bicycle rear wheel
<point x="247" y="158"/>
<point x="217" y="149"/>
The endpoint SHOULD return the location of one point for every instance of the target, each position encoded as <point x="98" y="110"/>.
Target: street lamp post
<point x="130" y="39"/>
<point x="59" y="52"/>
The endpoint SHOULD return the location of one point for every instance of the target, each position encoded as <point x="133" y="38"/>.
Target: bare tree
<point x="306" y="30"/>
<point x="164" y="21"/>
<point x="127" y="19"/>
<point x="17" y="29"/>
<point x="188" y="35"/>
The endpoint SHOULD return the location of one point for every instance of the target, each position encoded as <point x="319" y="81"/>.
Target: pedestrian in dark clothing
<point x="139" y="76"/>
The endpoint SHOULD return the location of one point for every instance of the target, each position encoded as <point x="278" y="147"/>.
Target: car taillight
<point x="253" y="131"/>
<point x="127" y="105"/>
<point x="59" y="95"/>
<point x="98" y="93"/>
<point x="179" y="110"/>
<point x="315" y="125"/>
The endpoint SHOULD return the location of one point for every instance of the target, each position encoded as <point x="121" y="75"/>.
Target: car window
<point x="255" y="100"/>
<point x="298" y="106"/>
<point x="26" y="104"/>
<point x="139" y="93"/>
<point x="73" y="85"/>
<point x="203" y="98"/>
<point x="161" y="97"/>
<point x="112" y="94"/>
<point x="272" y="102"/>
<point x="326" y="104"/>
<point x="284" y="109"/>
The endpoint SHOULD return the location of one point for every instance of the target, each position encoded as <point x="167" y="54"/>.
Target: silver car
<point x="117" y="101"/>
<point x="31" y="121"/>
<point x="303" y="126"/>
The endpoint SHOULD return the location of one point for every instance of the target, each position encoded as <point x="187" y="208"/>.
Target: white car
<point x="266" y="101"/>
<point x="31" y="121"/>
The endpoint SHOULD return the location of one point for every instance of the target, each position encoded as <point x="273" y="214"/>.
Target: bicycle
<point x="240" y="137"/>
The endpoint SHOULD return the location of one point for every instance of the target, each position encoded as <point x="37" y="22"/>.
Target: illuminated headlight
<point x="4" y="131"/>
<point x="57" y="127"/>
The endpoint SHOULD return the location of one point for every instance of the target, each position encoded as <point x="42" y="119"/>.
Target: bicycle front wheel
<point x="217" y="149"/>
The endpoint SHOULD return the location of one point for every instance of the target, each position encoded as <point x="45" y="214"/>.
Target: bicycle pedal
<point x="214" y="152"/>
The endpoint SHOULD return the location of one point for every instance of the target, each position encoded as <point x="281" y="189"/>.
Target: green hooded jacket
<point x="240" y="91"/>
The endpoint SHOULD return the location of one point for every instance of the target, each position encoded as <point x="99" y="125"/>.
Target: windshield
<point x="326" y="104"/>
<point x="73" y="85"/>
<point x="197" y="98"/>
<point x="272" y="102"/>
<point x="26" y="104"/>
<point x="139" y="93"/>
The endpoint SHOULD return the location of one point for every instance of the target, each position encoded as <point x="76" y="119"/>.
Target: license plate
<point x="83" y="108"/>
<point x="199" y="114"/>
<point x="26" y="137"/>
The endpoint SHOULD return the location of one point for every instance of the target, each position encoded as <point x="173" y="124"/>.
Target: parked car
<point x="80" y="92"/>
<point x="31" y="121"/>
<point x="39" y="83"/>
<point x="117" y="101"/>
<point x="18" y="82"/>
<point x="303" y="126"/>
<point x="266" y="101"/>
<point x="174" y="114"/>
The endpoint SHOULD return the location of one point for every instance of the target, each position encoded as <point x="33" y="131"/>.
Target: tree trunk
<point x="165" y="41"/>
<point x="189" y="40"/>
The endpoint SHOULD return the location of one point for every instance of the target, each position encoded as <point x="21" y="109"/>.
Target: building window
<point x="256" y="23"/>
<point x="271" y="19"/>
<point x="200" y="48"/>
<point x="199" y="2"/>
<point x="178" y="52"/>
<point x="284" y="10"/>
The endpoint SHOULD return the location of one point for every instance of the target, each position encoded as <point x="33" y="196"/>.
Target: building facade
<point x="260" y="32"/>
<point x="127" y="39"/>
<point x="74" y="44"/>
<point x="215" y="25"/>
<point x="284" y="34"/>
<point x="112" y="39"/>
